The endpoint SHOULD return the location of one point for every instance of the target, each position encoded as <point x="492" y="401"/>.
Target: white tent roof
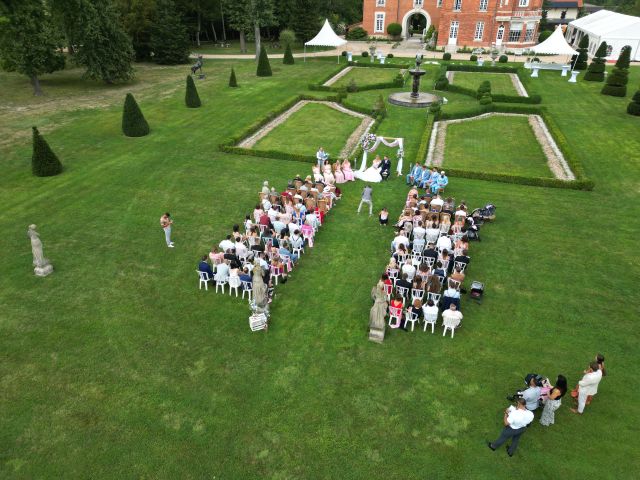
<point x="326" y="37"/>
<point x="554" y="45"/>
<point x="605" y="23"/>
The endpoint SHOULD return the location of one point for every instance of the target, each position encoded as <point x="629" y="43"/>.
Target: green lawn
<point x="272" y="48"/>
<point x="312" y="126"/>
<point x="367" y="76"/>
<point x="496" y="145"/>
<point x="116" y="366"/>
<point x="500" y="82"/>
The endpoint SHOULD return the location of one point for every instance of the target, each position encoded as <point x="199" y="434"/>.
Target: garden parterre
<point x="117" y="366"/>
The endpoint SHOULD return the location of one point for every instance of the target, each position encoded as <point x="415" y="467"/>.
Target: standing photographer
<point x="515" y="421"/>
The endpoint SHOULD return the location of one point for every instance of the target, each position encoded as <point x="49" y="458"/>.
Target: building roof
<point x="605" y="23"/>
<point x="555" y="45"/>
<point x="326" y="37"/>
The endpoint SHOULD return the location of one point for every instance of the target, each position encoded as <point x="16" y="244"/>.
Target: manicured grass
<point x="496" y="145"/>
<point x="312" y="126"/>
<point x="116" y="366"/>
<point x="500" y="82"/>
<point x="272" y="48"/>
<point x="367" y="76"/>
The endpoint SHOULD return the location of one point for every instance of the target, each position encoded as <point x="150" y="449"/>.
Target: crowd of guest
<point x="429" y="260"/>
<point x="273" y="236"/>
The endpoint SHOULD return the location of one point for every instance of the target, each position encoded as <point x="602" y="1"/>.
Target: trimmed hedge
<point x="619" y="77"/>
<point x="477" y="68"/>
<point x="520" y="180"/>
<point x="264" y="68"/>
<point x="44" y="162"/>
<point x="446" y="56"/>
<point x="473" y="58"/>
<point x="133" y="122"/>
<point x="634" y="107"/>
<point x="233" y="82"/>
<point x="503" y="59"/>
<point x="595" y="72"/>
<point x="288" y="56"/>
<point x="397" y="82"/>
<point x="400" y="66"/>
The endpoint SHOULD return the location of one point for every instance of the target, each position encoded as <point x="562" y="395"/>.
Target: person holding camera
<point x="531" y="395"/>
<point x="515" y="422"/>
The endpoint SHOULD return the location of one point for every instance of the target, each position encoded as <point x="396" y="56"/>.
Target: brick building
<point x="510" y="24"/>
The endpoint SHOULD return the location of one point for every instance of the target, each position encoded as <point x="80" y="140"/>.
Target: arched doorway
<point x="417" y="19"/>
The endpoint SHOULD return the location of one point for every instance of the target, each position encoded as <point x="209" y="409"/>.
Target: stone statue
<point x="260" y="293"/>
<point x="378" y="313"/>
<point x="42" y="267"/>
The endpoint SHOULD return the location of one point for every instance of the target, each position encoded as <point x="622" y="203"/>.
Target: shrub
<point x="133" y="121"/>
<point x="595" y="72"/>
<point x="486" y="100"/>
<point x="379" y="107"/>
<point x="288" y="56"/>
<point x="365" y="54"/>
<point x="503" y="59"/>
<point x="544" y="35"/>
<point x="616" y="85"/>
<point x="264" y="68"/>
<point x="583" y="56"/>
<point x="435" y="108"/>
<point x="233" y="82"/>
<point x="446" y="56"/>
<point x="483" y="89"/>
<point x="634" y="107"/>
<point x="287" y="36"/>
<point x="390" y="55"/>
<point x="191" y="97"/>
<point x="357" y="33"/>
<point x="44" y="163"/>
<point x="442" y="82"/>
<point x="394" y="29"/>
<point x="473" y="58"/>
<point x="352" y="87"/>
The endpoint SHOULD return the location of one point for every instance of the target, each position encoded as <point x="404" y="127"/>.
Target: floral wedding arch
<point x="370" y="143"/>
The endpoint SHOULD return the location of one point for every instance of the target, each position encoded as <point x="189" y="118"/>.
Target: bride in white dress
<point x="371" y="174"/>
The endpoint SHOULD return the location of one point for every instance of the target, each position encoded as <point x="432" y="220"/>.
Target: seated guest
<point x="297" y="240"/>
<point x="424" y="177"/>
<point x="222" y="272"/>
<point x="423" y="272"/>
<point x="252" y="236"/>
<point x="433" y="178"/>
<point x="444" y="257"/>
<point x="241" y="250"/>
<point x="439" y="270"/>
<point x="278" y="226"/>
<point x="245" y="277"/>
<point x="416" y="308"/>
<point x="448" y="206"/>
<point x="414" y="173"/>
<point x="443" y="181"/>
<point x="226" y="244"/>
<point x="430" y="309"/>
<point x="215" y="256"/>
<point x="417" y="283"/>
<point x="234" y="277"/>
<point x="257" y="213"/>
<point x="531" y="395"/>
<point x="266" y="204"/>
<point x="393" y="265"/>
<point x="247" y="223"/>
<point x="403" y="282"/>
<point x="409" y="270"/>
<point x="457" y="276"/>
<point x="418" y="245"/>
<point x="450" y="295"/>
<point x="419" y="231"/>
<point x="461" y="244"/>
<point x="433" y="284"/>
<point x="430" y="252"/>
<point x="264" y="220"/>
<point x="401" y="253"/>
<point x="444" y="243"/>
<point x="204" y="267"/>
<point x="284" y="251"/>
<point x="273" y="213"/>
<point x="464" y="258"/>
<point x="386" y="280"/>
<point x="437" y="202"/>
<point x="400" y="239"/>
<point x="396" y="303"/>
<point x="452" y="317"/>
<point x="235" y="233"/>
<point x="232" y="259"/>
<point x="432" y="232"/>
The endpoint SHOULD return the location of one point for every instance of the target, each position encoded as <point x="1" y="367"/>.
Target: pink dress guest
<point x="307" y="233"/>
<point x="347" y="172"/>
<point x="337" y="173"/>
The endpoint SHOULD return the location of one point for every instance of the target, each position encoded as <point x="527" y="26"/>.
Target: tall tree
<point x="306" y="21"/>
<point x="169" y="40"/>
<point x="137" y="18"/>
<point x="247" y="15"/>
<point x="262" y="16"/>
<point x="595" y="72"/>
<point x="104" y="48"/>
<point x="238" y="19"/>
<point x="29" y="42"/>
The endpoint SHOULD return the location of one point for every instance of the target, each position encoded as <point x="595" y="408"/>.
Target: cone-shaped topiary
<point x="191" y="97"/>
<point x="634" y="107"/>
<point x="233" y="82"/>
<point x="595" y="72"/>
<point x="44" y="163"/>
<point x="442" y="83"/>
<point x="288" y="56"/>
<point x="483" y="89"/>
<point x="264" y="68"/>
<point x="583" y="56"/>
<point x="617" y="81"/>
<point x="133" y="121"/>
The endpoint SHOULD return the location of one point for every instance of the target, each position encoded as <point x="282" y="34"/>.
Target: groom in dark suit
<point x="385" y="169"/>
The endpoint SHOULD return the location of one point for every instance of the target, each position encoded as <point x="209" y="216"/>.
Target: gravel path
<point x="555" y="160"/>
<point x="337" y="77"/>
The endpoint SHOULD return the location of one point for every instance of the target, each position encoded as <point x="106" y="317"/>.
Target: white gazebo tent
<point x="326" y="37"/>
<point x="617" y="29"/>
<point x="554" y="45"/>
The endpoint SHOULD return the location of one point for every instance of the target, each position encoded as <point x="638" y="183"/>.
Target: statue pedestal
<point x="376" y="335"/>
<point x="43" y="271"/>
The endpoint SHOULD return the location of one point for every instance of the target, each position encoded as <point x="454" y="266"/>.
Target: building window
<point x="453" y="30"/>
<point x="479" y="31"/>
<point x="500" y="34"/>
<point x="531" y="28"/>
<point x="483" y="5"/>
<point x="417" y="3"/>
<point x="523" y="3"/>
<point x="439" y="3"/>
<point x="514" y="35"/>
<point x="378" y="27"/>
<point x="457" y="5"/>
<point x="380" y="3"/>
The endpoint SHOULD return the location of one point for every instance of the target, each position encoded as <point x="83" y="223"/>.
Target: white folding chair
<point x="435" y="297"/>
<point x="430" y="319"/>
<point x="460" y="265"/>
<point x="235" y="287"/>
<point x="429" y="261"/>
<point x="416" y="294"/>
<point x="445" y="264"/>
<point x="387" y="290"/>
<point x="403" y="292"/>
<point x="286" y="259"/>
<point x="454" y="284"/>
<point x="393" y="274"/>
<point x="221" y="284"/>
<point x="247" y="287"/>
<point x="204" y="280"/>
<point x="449" y="326"/>
<point x="411" y="317"/>
<point x="275" y="272"/>
<point x="418" y="247"/>
<point x="395" y="315"/>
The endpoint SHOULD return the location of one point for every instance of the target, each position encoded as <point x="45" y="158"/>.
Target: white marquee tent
<point x="554" y="45"/>
<point x="326" y="37"/>
<point x="616" y="29"/>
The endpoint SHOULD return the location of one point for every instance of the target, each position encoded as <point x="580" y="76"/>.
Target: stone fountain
<point x="415" y="98"/>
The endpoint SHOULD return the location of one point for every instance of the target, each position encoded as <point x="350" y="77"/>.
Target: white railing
<point x="527" y="13"/>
